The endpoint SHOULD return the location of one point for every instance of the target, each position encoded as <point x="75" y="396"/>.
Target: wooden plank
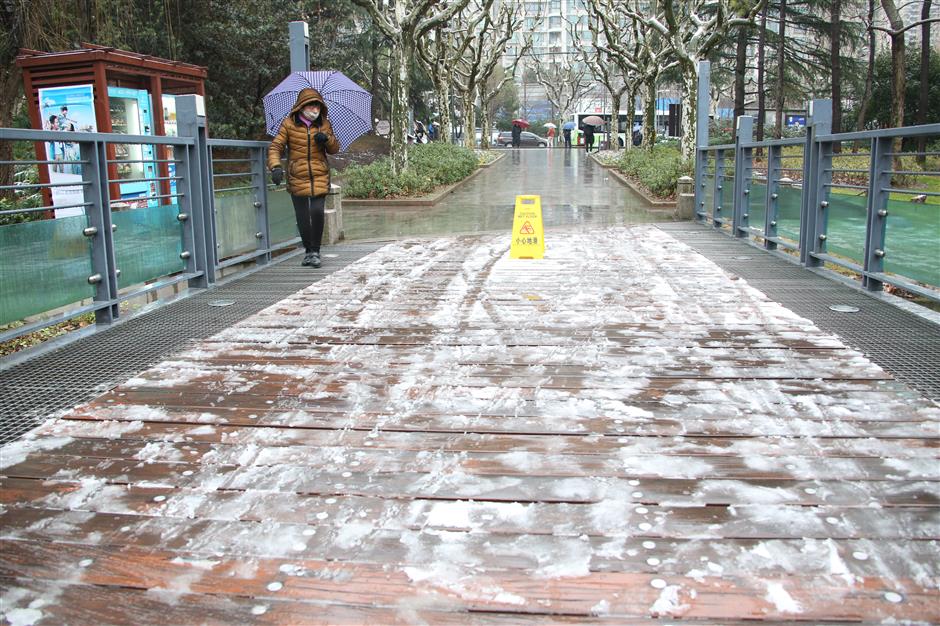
<point x="89" y="441"/>
<point x="544" y="556"/>
<point x="622" y="463"/>
<point x="203" y="420"/>
<point x="94" y="431"/>
<point x="607" y="518"/>
<point x="289" y="464"/>
<point x="320" y="582"/>
<point x="70" y="603"/>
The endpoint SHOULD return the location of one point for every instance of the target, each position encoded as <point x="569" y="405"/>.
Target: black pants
<point x="309" y="212"/>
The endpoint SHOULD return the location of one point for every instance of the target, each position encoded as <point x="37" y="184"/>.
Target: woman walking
<point x="307" y="135"/>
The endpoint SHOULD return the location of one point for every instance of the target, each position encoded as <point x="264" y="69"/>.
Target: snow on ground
<point x="620" y="333"/>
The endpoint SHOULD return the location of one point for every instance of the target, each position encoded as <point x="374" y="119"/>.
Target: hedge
<point x="429" y="166"/>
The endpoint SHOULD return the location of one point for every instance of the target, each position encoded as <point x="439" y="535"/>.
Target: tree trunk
<point x="649" y="114"/>
<point x="761" y="96"/>
<point x="469" y="119"/>
<point x="374" y="79"/>
<point x="484" y="123"/>
<point x="443" y="108"/>
<point x="898" y="83"/>
<point x="781" y="66"/>
<point x="835" y="61"/>
<point x="402" y="53"/>
<point x="612" y="142"/>
<point x="924" y="99"/>
<point x="688" y="141"/>
<point x="631" y="115"/>
<point x="869" y="76"/>
<point x="740" y="67"/>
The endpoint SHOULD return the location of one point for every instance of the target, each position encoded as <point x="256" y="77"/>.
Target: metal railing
<point x="861" y="201"/>
<point x="200" y="214"/>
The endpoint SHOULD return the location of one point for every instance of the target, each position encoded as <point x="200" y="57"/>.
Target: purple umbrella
<point x="349" y="106"/>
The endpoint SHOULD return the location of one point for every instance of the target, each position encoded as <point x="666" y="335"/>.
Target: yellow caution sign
<point x="528" y="236"/>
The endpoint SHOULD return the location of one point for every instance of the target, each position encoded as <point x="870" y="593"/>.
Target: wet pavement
<point x="575" y="190"/>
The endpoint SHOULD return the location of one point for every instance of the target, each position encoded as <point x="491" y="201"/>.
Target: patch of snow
<point x="16" y="452"/>
<point x="668" y="602"/>
<point x="781" y="600"/>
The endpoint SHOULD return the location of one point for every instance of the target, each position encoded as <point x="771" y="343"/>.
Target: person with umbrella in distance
<point x="307" y="135"/>
<point x="516" y="134"/>
<point x="566" y="129"/>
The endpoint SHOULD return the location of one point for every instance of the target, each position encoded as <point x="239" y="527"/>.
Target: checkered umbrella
<point x="349" y="106"/>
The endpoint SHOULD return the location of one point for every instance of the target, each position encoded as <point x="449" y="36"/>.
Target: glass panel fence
<point x="757" y="205"/>
<point x="281" y="220"/>
<point x="845" y="226"/>
<point x="912" y="240"/>
<point x="789" y="199"/>
<point x="236" y="222"/>
<point x="147" y="243"/>
<point x="44" y="265"/>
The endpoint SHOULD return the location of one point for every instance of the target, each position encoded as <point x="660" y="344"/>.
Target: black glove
<point x="321" y="138"/>
<point x="277" y="175"/>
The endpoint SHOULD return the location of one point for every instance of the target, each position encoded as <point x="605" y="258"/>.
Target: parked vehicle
<point x="527" y="139"/>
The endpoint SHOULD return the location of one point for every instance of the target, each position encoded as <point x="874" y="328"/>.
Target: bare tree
<point x="693" y="29"/>
<point x="437" y="54"/>
<point x="492" y="84"/>
<point x="639" y="50"/>
<point x="405" y="23"/>
<point x="608" y="71"/>
<point x="483" y="54"/>
<point x="565" y="82"/>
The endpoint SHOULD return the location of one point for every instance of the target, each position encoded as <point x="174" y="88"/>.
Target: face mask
<point x="310" y="115"/>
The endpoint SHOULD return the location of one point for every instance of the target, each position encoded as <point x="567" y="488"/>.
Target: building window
<point x="554" y="6"/>
<point x="554" y="39"/>
<point x="554" y="22"/>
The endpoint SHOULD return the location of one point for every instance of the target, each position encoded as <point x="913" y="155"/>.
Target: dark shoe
<point x="314" y="259"/>
<point x="306" y="260"/>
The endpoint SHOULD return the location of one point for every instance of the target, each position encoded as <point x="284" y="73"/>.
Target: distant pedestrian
<point x="308" y="137"/>
<point x="516" y="135"/>
<point x="588" y="137"/>
<point x="551" y="136"/>
<point x="420" y="133"/>
<point x="566" y="133"/>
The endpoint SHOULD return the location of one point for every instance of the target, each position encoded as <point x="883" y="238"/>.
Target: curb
<point x="429" y="200"/>
<point x="658" y="204"/>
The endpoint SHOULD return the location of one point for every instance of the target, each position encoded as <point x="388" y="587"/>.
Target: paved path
<point x="576" y="192"/>
<point x="437" y="434"/>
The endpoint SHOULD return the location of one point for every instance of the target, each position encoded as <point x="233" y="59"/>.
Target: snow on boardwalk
<point x="437" y="434"/>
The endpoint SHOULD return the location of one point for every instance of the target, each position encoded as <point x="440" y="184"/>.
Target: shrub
<point x="658" y="170"/>
<point x="429" y="166"/>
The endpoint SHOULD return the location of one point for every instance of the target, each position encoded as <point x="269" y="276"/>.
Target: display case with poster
<point x="71" y="109"/>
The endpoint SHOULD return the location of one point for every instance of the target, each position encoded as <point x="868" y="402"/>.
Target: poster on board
<point x="72" y="109"/>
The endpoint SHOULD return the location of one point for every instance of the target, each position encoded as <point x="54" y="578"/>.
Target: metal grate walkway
<point x="84" y="369"/>
<point x="901" y="342"/>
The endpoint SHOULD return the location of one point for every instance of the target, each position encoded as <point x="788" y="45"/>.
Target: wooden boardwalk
<point x="618" y="434"/>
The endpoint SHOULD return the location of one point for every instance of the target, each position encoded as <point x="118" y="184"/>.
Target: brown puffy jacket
<point x="307" y="168"/>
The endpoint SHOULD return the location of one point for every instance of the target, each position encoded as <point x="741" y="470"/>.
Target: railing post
<point x="263" y="232"/>
<point x="744" y="133"/>
<point x="819" y="122"/>
<point x="104" y="277"/>
<point x="299" y="47"/>
<point x="771" y="201"/>
<point x="701" y="137"/>
<point x="191" y="122"/>
<point x="718" y="185"/>
<point x="879" y="180"/>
